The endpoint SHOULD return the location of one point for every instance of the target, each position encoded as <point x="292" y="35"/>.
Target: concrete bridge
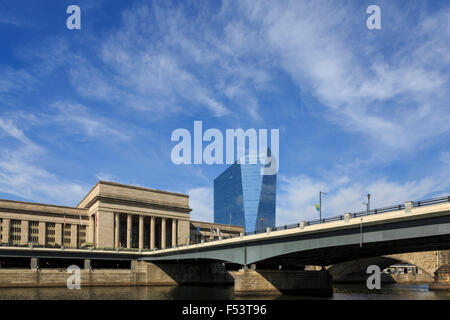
<point x="409" y="227"/>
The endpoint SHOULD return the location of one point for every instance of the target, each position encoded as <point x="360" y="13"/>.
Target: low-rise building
<point x="111" y="215"/>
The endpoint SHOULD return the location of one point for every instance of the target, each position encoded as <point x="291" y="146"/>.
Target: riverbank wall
<point x="140" y="274"/>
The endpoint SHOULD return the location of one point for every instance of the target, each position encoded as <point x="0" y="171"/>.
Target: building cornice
<point x="40" y="208"/>
<point x="138" y="202"/>
<point x="115" y="184"/>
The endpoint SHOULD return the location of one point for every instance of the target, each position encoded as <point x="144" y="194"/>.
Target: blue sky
<point x="358" y="110"/>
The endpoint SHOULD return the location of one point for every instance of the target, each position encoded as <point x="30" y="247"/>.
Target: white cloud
<point x="201" y="202"/>
<point x="105" y="177"/>
<point x="164" y="62"/>
<point x="298" y="195"/>
<point x="22" y="177"/>
<point x="367" y="89"/>
<point x="77" y="118"/>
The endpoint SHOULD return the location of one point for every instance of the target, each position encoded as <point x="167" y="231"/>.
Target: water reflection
<point x="341" y="292"/>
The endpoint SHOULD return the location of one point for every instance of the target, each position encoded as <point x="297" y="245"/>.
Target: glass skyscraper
<point x="245" y="197"/>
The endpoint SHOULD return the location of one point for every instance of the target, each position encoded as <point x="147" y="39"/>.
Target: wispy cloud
<point x="78" y="119"/>
<point x="22" y="175"/>
<point x="9" y="18"/>
<point x="398" y="99"/>
<point x="201" y="202"/>
<point x="298" y="195"/>
<point x="159" y="61"/>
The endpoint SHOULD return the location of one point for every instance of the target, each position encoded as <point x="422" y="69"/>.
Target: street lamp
<point x="262" y="224"/>
<point x="320" y="204"/>
<point x="368" y="204"/>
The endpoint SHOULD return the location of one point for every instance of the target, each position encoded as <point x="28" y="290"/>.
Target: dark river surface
<point x="341" y="292"/>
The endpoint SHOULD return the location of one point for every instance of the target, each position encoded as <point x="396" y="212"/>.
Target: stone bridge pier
<point x="269" y="282"/>
<point x="246" y="281"/>
<point x="198" y="273"/>
<point x="442" y="274"/>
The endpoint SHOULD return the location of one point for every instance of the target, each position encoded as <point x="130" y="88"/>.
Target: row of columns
<point x="141" y="231"/>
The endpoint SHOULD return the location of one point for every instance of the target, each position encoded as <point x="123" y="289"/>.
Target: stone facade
<point x="211" y="232"/>
<point x="111" y="215"/>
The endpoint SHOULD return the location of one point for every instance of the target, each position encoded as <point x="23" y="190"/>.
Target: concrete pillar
<point x="152" y="233"/>
<point x="5" y="236"/>
<point x="24" y="232"/>
<point x="74" y="235"/>
<point x="58" y="234"/>
<point x="34" y="264"/>
<point x="163" y="233"/>
<point x="92" y="229"/>
<point x="141" y="232"/>
<point x="347" y="217"/>
<point x="409" y="205"/>
<point x="116" y="230"/>
<point x="41" y="233"/>
<point x="251" y="281"/>
<point x="441" y="278"/>
<point x="129" y="226"/>
<point x="174" y="232"/>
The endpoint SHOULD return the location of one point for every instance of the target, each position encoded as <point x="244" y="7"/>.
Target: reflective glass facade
<point x="247" y="197"/>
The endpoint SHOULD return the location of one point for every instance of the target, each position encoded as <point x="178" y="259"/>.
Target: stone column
<point x="92" y="229"/>
<point x="58" y="234"/>
<point x="74" y="235"/>
<point x="174" y="233"/>
<point x="24" y="232"/>
<point x="116" y="230"/>
<point x="129" y="226"/>
<point x="141" y="232"/>
<point x="163" y="233"/>
<point x="41" y="234"/>
<point x="5" y="236"/>
<point x="152" y="233"/>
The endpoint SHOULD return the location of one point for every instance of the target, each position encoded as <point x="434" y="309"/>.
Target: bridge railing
<point x="416" y="204"/>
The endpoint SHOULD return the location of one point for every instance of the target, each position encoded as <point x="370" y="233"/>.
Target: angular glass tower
<point x="245" y="197"/>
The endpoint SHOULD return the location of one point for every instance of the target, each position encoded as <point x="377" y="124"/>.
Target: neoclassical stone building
<point x="111" y="215"/>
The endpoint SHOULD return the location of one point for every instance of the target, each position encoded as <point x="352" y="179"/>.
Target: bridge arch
<point x="427" y="261"/>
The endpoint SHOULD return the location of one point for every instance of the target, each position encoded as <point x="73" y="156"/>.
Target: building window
<point x="50" y="232"/>
<point x="81" y="236"/>
<point x="67" y="234"/>
<point x="15" y="232"/>
<point x="33" y="231"/>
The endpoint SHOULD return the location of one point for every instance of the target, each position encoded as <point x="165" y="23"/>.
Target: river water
<point x="341" y="292"/>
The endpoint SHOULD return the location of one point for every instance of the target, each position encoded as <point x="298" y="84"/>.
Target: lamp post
<point x="320" y="205"/>
<point x="262" y="224"/>
<point x="368" y="203"/>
